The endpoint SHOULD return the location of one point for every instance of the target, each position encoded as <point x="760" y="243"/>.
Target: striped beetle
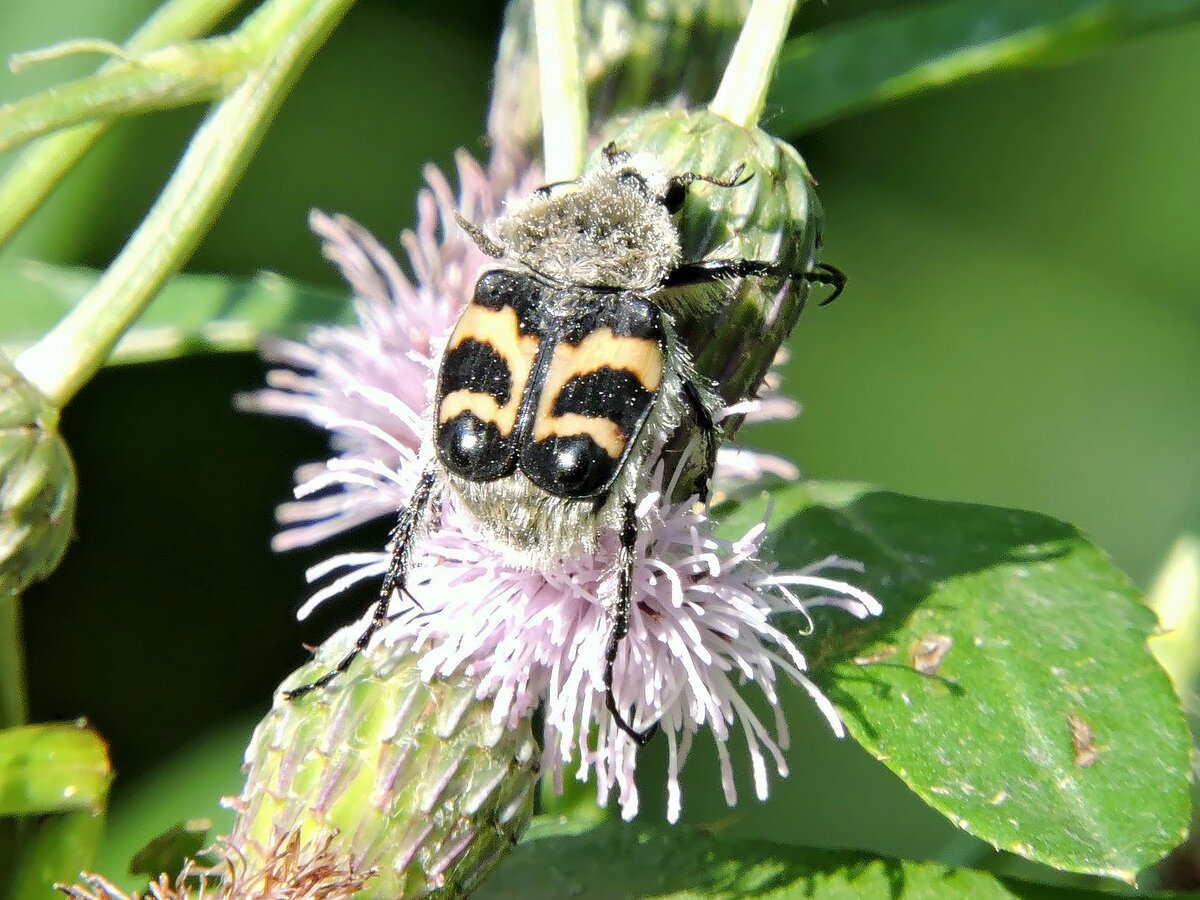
<point x="564" y="374"/>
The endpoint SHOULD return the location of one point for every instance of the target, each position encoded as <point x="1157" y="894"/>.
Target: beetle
<point x="564" y="377"/>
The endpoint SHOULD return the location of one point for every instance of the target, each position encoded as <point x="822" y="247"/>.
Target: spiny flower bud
<point x="37" y="485"/>
<point x="293" y="871"/>
<point x="773" y="217"/>
<point x="409" y="781"/>
<point x="635" y="55"/>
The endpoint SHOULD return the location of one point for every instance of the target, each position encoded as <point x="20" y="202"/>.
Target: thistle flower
<point x="704" y="608"/>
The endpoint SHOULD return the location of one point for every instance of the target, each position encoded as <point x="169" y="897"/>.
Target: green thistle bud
<point x="411" y="783"/>
<point x="37" y="485"/>
<point x="774" y="217"/>
<point x="635" y="55"/>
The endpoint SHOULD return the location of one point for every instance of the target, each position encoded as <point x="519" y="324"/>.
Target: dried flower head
<point x="705" y="609"/>
<point x="294" y="870"/>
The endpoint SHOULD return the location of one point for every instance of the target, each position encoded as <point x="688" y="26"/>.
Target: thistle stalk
<point x="563" y="91"/>
<point x="64" y="360"/>
<point x="743" y="89"/>
<point x="42" y="165"/>
<point x="13" y="706"/>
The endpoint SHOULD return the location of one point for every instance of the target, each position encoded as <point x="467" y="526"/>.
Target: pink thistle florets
<point x="703" y="606"/>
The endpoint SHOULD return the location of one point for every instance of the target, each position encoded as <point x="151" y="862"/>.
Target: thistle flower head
<point x="369" y="386"/>
<point x="702" y="625"/>
<point x="37" y="485"/>
<point x="706" y="610"/>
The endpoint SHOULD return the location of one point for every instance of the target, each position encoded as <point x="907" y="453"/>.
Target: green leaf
<point x="628" y="860"/>
<point x="191" y="314"/>
<point x="1008" y="683"/>
<point x="52" y="768"/>
<point x="56" y="849"/>
<point x="869" y="61"/>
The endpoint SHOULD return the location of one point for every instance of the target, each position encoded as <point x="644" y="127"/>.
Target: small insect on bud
<point x="37" y="485"/>
<point x="411" y="782"/>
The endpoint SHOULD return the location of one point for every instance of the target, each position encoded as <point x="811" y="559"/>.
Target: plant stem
<point x="64" y="50"/>
<point x="1175" y="596"/>
<point x="14" y="712"/>
<point x="36" y="172"/>
<point x="291" y="30"/>
<point x="743" y="89"/>
<point x="175" y="76"/>
<point x="563" y="92"/>
<point x="13" y="704"/>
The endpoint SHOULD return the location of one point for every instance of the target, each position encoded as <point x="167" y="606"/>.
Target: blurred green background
<point x="1022" y="327"/>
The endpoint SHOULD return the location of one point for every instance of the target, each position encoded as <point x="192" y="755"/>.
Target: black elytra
<point x="593" y="360"/>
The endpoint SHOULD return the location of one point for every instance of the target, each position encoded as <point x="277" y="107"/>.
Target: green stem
<point x="65" y="49"/>
<point x="13" y="704"/>
<point x="174" y="76"/>
<point x="563" y="91"/>
<point x="62" y="362"/>
<point x="743" y="89"/>
<point x="1175" y="596"/>
<point x="36" y="172"/>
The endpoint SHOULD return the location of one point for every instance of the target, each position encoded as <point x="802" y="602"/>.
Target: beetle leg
<point x="824" y="273"/>
<point x="407" y="526"/>
<point x="620" y="625"/>
<point x="708" y="433"/>
<point x="716" y="269"/>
